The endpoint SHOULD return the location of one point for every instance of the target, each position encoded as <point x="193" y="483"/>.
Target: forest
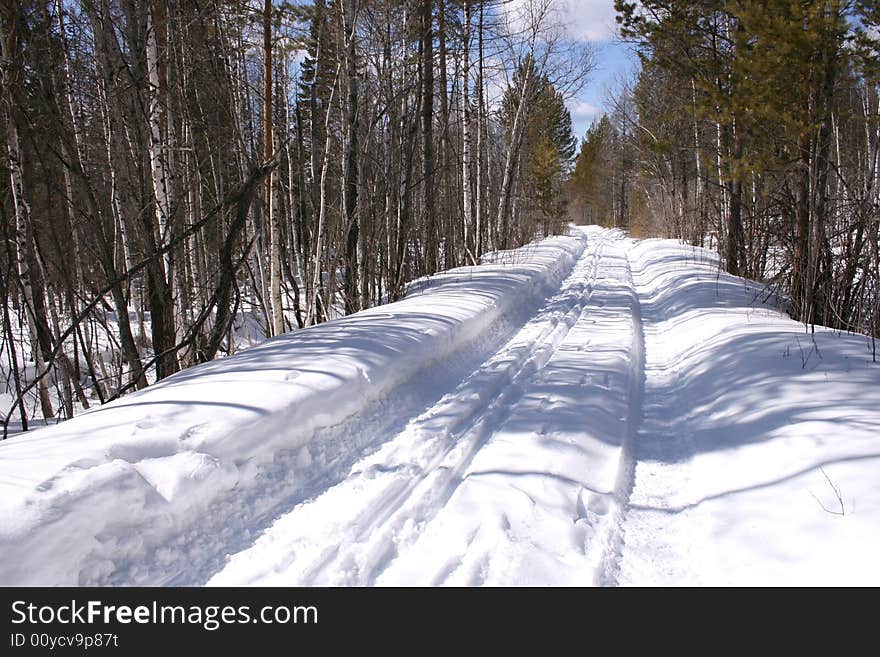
<point x="753" y="128"/>
<point x="181" y="178"/>
<point x="176" y="174"/>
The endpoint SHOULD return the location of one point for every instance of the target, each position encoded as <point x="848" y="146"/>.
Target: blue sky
<point x="593" y="21"/>
<point x="614" y="60"/>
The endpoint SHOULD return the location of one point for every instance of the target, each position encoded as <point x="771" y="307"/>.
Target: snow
<point x="587" y="410"/>
<point x="153" y="488"/>
<point x="743" y="413"/>
<point x="506" y="448"/>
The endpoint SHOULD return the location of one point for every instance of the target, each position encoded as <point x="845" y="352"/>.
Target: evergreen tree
<point x="547" y="150"/>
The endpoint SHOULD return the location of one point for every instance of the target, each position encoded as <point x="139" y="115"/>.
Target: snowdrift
<point x="112" y="496"/>
<point x="759" y="447"/>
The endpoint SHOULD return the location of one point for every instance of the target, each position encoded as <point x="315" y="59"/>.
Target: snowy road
<point x="648" y="425"/>
<point x="517" y="476"/>
<point x="586" y="410"/>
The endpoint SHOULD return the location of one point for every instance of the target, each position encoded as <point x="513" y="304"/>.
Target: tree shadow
<point x="794" y="474"/>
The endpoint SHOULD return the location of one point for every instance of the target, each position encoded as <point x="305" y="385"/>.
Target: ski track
<point x="608" y="573"/>
<point x="379" y="518"/>
<point x="297" y="476"/>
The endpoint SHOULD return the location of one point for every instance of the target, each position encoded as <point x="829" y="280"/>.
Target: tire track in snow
<point x="417" y="471"/>
<point x="411" y="505"/>
<point x="609" y="566"/>
<point x="537" y="503"/>
<point x="297" y="475"/>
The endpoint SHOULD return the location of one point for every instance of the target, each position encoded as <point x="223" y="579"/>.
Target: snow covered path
<point x="587" y="410"/>
<point x="515" y="477"/>
<point x="654" y="423"/>
<point x="160" y="486"/>
<point x="759" y="449"/>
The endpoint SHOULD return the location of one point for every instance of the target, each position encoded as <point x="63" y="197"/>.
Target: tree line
<point x="175" y="171"/>
<point x="753" y="127"/>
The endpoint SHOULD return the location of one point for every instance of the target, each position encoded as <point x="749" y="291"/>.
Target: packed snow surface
<point x="588" y="409"/>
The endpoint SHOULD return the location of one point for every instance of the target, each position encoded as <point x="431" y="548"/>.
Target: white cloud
<point x="583" y="113"/>
<point x="590" y="20"/>
<point x="581" y="110"/>
<point x="583" y="20"/>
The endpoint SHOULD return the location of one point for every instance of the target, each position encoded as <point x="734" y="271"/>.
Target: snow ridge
<point x="609" y="570"/>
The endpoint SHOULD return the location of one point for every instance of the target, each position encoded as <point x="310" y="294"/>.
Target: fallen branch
<point x="836" y="490"/>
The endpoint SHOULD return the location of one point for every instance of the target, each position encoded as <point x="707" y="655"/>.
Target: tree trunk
<point x="350" y="196"/>
<point x="431" y="233"/>
<point x="467" y="173"/>
<point x="734" y="221"/>
<point x="271" y="204"/>
<point x="23" y="229"/>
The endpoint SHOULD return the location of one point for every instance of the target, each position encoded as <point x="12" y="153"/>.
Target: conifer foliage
<point x="755" y="128"/>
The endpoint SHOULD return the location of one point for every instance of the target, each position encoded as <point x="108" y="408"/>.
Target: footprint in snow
<point x="580" y="509"/>
<point x="597" y="504"/>
<point x="194" y="431"/>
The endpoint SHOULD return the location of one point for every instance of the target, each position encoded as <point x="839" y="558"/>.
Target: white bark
<point x="160" y="171"/>
<point x="22" y="226"/>
<point x="466" y="125"/>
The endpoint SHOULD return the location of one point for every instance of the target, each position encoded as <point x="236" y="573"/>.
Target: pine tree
<point x="548" y="145"/>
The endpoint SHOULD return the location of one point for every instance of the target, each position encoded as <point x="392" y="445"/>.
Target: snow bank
<point x="91" y="501"/>
<point x="752" y="428"/>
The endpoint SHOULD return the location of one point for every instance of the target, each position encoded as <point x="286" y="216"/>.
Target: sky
<point x="593" y="21"/>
